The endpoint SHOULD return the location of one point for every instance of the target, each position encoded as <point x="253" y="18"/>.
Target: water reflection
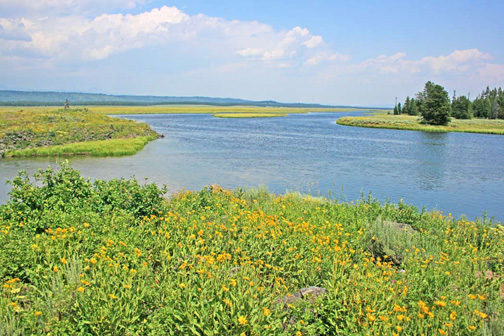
<point x="431" y="153"/>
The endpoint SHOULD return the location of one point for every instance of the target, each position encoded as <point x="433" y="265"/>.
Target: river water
<point x="458" y="173"/>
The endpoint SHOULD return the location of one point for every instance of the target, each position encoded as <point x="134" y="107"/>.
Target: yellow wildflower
<point x="80" y="289"/>
<point x="242" y="320"/>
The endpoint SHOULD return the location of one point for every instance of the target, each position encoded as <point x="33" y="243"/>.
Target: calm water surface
<point x="454" y="172"/>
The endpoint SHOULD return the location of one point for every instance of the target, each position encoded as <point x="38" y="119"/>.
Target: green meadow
<point x="406" y="122"/>
<point x="45" y="132"/>
<point x="117" y="258"/>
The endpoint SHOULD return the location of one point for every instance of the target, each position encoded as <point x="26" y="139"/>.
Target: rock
<point x="400" y="226"/>
<point x="309" y="294"/>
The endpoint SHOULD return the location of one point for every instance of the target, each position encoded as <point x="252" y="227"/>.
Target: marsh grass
<point x="412" y="123"/>
<point x="114" y="147"/>
<point x="37" y="132"/>
<point x="115" y="258"/>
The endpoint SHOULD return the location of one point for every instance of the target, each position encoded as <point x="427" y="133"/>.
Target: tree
<point x="414" y="107"/>
<point x="407" y="106"/>
<point x="461" y="108"/>
<point x="495" y="109"/>
<point x="399" y="108"/>
<point x="436" y="105"/>
<point x="66" y="105"/>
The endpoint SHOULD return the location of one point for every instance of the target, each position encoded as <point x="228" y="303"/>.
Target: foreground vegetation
<point x="406" y="122"/>
<point x="69" y="132"/>
<point x="116" y="258"/>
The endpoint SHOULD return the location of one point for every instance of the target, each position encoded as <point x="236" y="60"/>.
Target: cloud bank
<point x="50" y="33"/>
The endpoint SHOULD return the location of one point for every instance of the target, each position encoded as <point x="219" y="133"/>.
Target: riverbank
<point x="47" y="132"/>
<point x="114" y="257"/>
<point x="406" y="122"/>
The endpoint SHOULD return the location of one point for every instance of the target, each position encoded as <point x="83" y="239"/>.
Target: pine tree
<point x="436" y="106"/>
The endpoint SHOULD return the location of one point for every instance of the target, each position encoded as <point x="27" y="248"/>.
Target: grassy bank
<point x="116" y="258"/>
<point x="69" y="132"/>
<point x="405" y="122"/>
<point x="114" y="147"/>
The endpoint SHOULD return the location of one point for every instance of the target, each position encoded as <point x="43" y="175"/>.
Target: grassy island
<point x="117" y="258"/>
<point x="412" y="123"/>
<point x="46" y="132"/>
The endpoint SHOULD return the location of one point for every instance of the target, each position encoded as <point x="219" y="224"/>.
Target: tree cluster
<point x="435" y="107"/>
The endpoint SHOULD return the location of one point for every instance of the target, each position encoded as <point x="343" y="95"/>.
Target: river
<point x="458" y="173"/>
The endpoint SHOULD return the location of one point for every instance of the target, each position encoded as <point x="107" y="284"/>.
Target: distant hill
<point x="37" y="98"/>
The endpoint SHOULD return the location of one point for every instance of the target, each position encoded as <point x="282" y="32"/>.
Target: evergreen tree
<point x="495" y="109"/>
<point x="407" y="106"/>
<point x="414" y="108"/>
<point x="399" y="108"/>
<point x="461" y="108"/>
<point x="436" y="105"/>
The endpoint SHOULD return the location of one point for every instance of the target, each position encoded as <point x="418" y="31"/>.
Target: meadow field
<point x="412" y="123"/>
<point x="116" y="258"/>
<point x="46" y="132"/>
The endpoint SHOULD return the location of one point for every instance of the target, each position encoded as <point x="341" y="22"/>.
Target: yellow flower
<point x="55" y="269"/>
<point x="127" y="286"/>
<point x="38" y="313"/>
<point x="86" y="225"/>
<point x="472" y="297"/>
<point x="400" y="317"/>
<point x="266" y="311"/>
<point x="229" y="303"/>
<point x="442" y="332"/>
<point x="471" y="327"/>
<point x="112" y="296"/>
<point x="399" y="328"/>
<point x="383" y="318"/>
<point x="440" y="303"/>
<point x="299" y="333"/>
<point x="138" y="253"/>
<point x="242" y="320"/>
<point x="92" y="261"/>
<point x="80" y="289"/>
<point x="225" y="289"/>
<point x="182" y="285"/>
<point x="371" y="317"/>
<point x="481" y="297"/>
<point x="63" y="260"/>
<point x="34" y="246"/>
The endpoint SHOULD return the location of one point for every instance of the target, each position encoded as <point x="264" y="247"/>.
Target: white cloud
<point x="325" y="56"/>
<point x="494" y="72"/>
<point x="314" y="42"/>
<point x="73" y="36"/>
<point x="459" y="61"/>
<point x="57" y="7"/>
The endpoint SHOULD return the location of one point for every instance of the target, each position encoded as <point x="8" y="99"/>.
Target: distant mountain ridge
<point x="36" y="98"/>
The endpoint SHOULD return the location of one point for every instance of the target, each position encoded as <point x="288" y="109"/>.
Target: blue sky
<point x="331" y="52"/>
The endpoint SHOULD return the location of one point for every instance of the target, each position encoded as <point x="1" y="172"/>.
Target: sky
<point x="361" y="53"/>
